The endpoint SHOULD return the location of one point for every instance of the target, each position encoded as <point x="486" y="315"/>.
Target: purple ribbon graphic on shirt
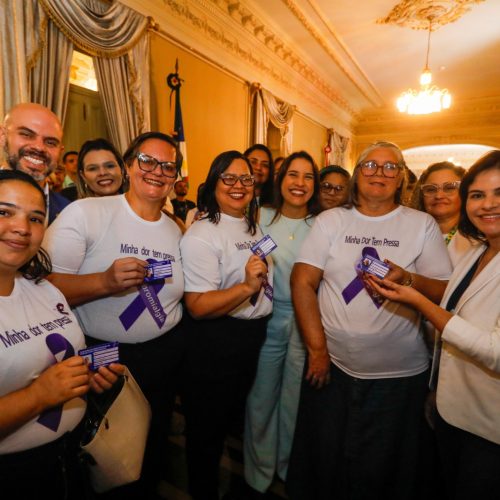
<point x="61" y="349"/>
<point x="357" y="284"/>
<point x="147" y="299"/>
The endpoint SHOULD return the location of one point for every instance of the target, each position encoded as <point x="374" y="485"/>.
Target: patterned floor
<point x="231" y="471"/>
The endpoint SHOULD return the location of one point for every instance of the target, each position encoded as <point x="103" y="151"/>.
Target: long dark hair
<point x="99" y="144"/>
<point x="220" y="164"/>
<point x="266" y="190"/>
<point x="313" y="207"/>
<point x="39" y="266"/>
<point x="488" y="161"/>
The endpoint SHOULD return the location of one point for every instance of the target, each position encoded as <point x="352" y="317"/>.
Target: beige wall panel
<point x="214" y="107"/>
<point x="309" y="136"/>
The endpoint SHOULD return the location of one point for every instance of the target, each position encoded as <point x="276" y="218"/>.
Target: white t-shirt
<point x="214" y="258"/>
<point x="37" y="329"/>
<point x="93" y="233"/>
<point x="363" y="340"/>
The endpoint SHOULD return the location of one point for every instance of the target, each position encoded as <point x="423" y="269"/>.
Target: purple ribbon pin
<point x="61" y="350"/>
<point x="147" y="299"/>
<point x="357" y="284"/>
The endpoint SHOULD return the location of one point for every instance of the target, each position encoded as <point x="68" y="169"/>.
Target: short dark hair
<point x="488" y="161"/>
<point x="266" y="190"/>
<point x="333" y="169"/>
<point x="417" y="200"/>
<point x="313" y="207"/>
<point x="133" y="149"/>
<point x="99" y="144"/>
<point x="220" y="164"/>
<point x="69" y="153"/>
<point x="352" y="199"/>
<point x="39" y="266"/>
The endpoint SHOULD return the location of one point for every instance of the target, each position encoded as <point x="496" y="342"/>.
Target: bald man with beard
<point x="31" y="138"/>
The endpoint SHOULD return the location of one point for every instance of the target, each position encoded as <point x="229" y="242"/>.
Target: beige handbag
<point x="116" y="429"/>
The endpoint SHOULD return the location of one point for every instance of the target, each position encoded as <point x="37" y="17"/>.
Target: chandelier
<point x="429" y="99"/>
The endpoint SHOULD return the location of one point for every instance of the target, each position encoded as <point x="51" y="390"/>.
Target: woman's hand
<point x="255" y="271"/>
<point x="123" y="274"/>
<point x="396" y="273"/>
<point x="104" y="378"/>
<point x="393" y="291"/>
<point x="318" y="373"/>
<point x="61" y="382"/>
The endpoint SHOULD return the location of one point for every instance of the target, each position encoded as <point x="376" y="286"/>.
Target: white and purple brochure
<point x="158" y="270"/>
<point x="100" y="355"/>
<point x="372" y="265"/>
<point x="264" y="247"/>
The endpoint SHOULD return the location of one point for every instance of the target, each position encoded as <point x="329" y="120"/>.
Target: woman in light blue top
<point x="272" y="403"/>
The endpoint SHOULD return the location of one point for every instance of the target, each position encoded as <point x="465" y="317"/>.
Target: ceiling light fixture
<point x="429" y="99"/>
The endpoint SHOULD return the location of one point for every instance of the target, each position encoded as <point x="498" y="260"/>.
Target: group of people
<point x="270" y="317"/>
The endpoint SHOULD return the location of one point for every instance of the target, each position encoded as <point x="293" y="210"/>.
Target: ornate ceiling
<point x="340" y="60"/>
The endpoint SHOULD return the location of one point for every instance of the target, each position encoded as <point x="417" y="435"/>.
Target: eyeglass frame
<point x="398" y="166"/>
<point x="330" y="187"/>
<point x="226" y="176"/>
<point x="163" y="164"/>
<point x="440" y="187"/>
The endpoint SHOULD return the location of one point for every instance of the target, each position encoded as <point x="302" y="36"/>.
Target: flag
<point x="175" y="82"/>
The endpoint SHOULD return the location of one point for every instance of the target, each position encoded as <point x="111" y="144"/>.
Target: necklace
<point x="450" y="235"/>
<point x="291" y="231"/>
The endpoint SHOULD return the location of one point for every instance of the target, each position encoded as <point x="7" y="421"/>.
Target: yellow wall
<point x="214" y="107"/>
<point x="309" y="136"/>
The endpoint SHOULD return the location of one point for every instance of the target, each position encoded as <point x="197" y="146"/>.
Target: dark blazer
<point x="56" y="205"/>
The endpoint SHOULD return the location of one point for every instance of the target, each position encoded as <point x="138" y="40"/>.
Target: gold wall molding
<point x="415" y="14"/>
<point x="263" y="36"/>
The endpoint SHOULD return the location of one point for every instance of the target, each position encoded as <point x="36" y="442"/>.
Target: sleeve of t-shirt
<point x="315" y="248"/>
<point x="434" y="260"/>
<point x="65" y="240"/>
<point x="200" y="264"/>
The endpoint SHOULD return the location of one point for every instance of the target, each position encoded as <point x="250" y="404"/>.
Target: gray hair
<point x="352" y="199"/>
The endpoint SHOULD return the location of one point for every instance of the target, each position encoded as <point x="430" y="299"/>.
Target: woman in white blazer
<point x="468" y="391"/>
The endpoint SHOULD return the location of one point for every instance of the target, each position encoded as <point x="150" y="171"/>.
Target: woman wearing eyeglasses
<point x="103" y="246"/>
<point x="228" y="295"/>
<point x="468" y="325"/>
<point x="437" y="194"/>
<point x="334" y="181"/>
<point x="357" y="431"/>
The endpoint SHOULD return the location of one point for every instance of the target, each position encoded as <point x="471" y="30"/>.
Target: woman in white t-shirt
<point x="362" y="399"/>
<point x="436" y="193"/>
<point x="104" y="246"/>
<point x="228" y="294"/>
<point x="43" y="381"/>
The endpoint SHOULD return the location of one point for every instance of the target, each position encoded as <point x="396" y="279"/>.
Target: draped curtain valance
<point x="266" y="107"/>
<point x="108" y="34"/>
<point x="37" y="39"/>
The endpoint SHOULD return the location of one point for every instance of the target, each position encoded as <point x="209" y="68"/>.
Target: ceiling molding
<point x="373" y="97"/>
<point x="415" y="14"/>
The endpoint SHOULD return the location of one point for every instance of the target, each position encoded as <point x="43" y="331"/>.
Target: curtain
<point x="117" y="38"/>
<point x="124" y="86"/>
<point x="266" y="107"/>
<point x="338" y="147"/>
<point x="49" y="77"/>
<point x="23" y="25"/>
<point x="36" y="45"/>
